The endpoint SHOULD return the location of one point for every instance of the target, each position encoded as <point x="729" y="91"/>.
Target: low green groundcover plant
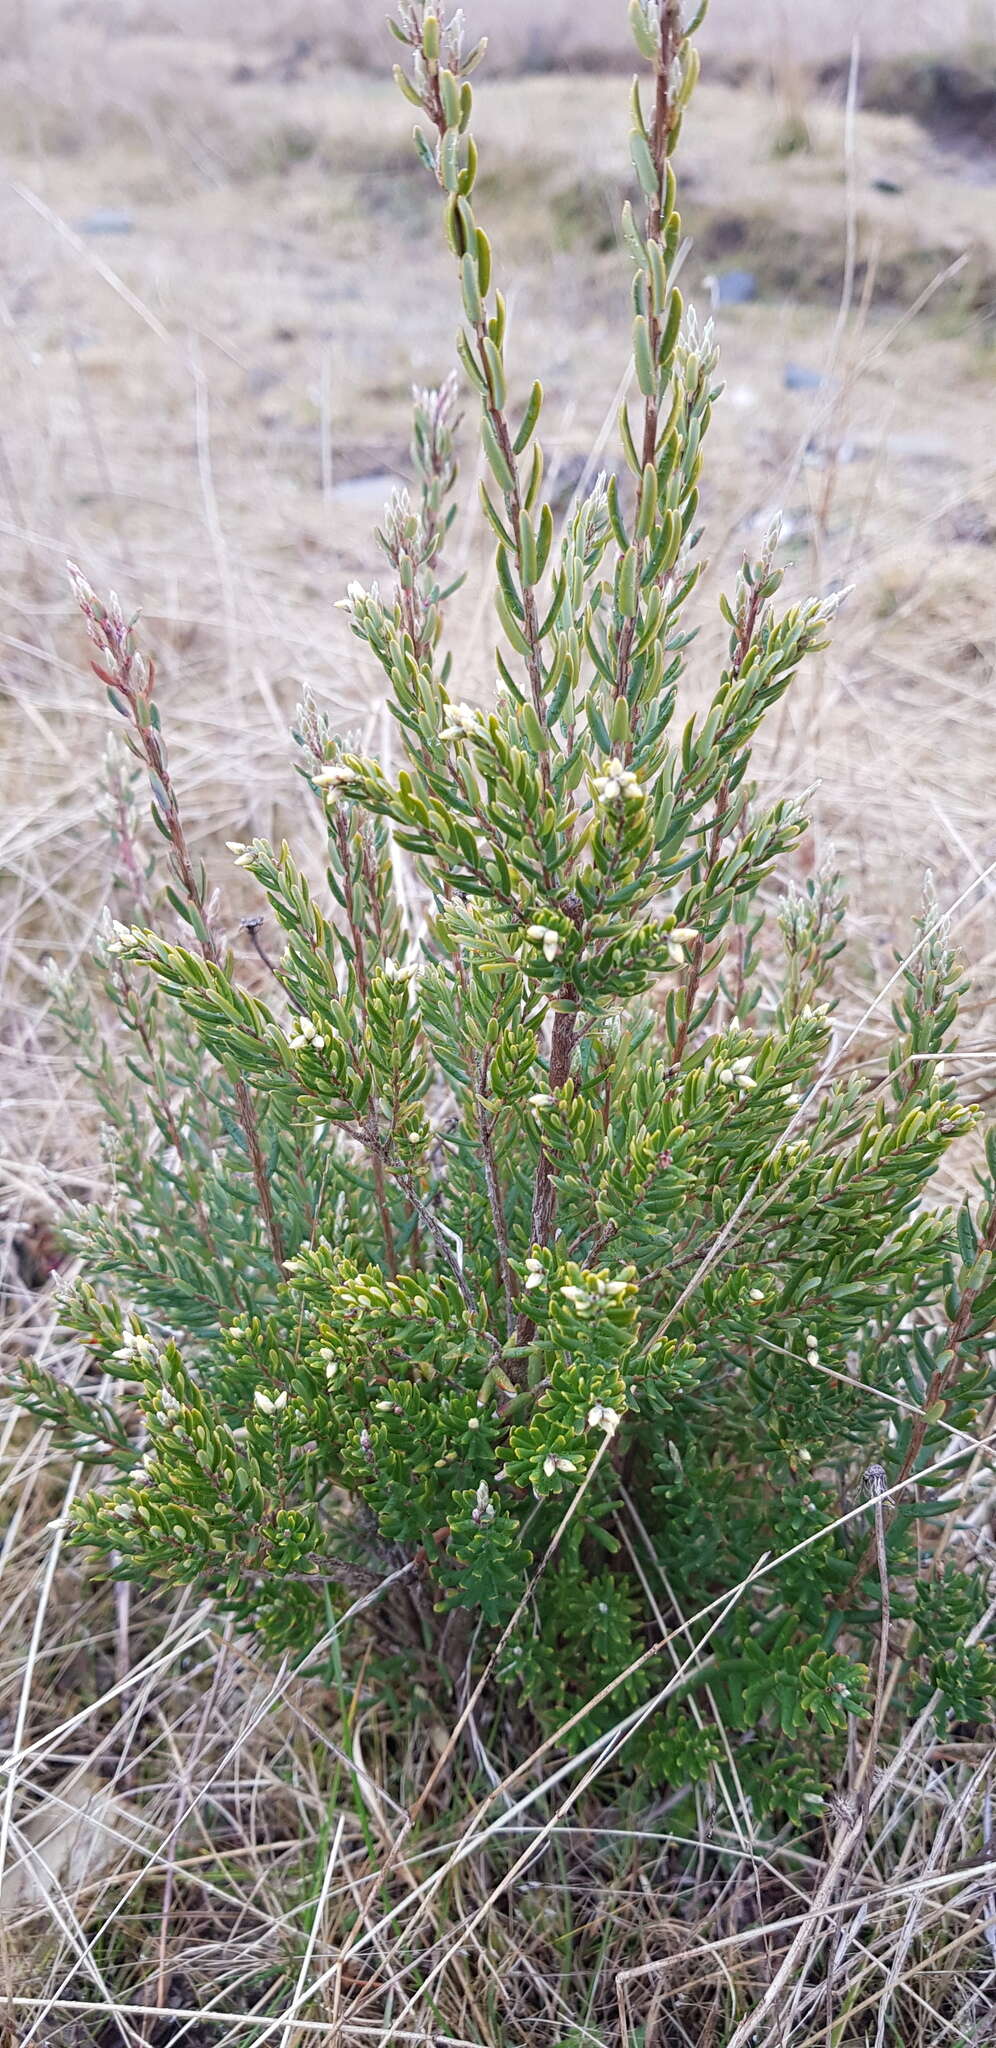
<point x="515" y="1260"/>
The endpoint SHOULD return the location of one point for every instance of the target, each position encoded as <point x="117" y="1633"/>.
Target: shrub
<point x="518" y="1262"/>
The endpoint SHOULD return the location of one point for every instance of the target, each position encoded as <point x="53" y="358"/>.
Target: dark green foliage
<point x="540" y="1190"/>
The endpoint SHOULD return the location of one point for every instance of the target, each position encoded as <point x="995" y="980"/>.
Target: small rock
<point x="889" y="185"/>
<point x="971" y="524"/>
<point x="797" y="378"/>
<point x="106" y="220"/>
<point x="734" y="288"/>
<point x="374" y="489"/>
<point x="933" y="450"/>
<point x="260" y="379"/>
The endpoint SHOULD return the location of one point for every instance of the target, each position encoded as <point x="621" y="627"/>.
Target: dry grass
<point x="522" y="33"/>
<point x="207" y="412"/>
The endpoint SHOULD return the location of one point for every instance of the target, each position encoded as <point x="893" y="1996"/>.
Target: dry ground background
<point x="221" y="272"/>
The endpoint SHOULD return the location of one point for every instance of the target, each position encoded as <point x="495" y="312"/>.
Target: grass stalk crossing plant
<point x="515" y="1250"/>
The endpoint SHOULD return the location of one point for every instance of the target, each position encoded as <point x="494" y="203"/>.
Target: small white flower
<point x="117" y="936"/>
<point x="617" y="781"/>
<point x="757" y="1294"/>
<point x="333" y="779"/>
<point x="543" y="935"/>
<point x="463" y="719"/>
<point x="135" y="1344"/>
<point x="540" y="1101"/>
<point x="604" y="1418"/>
<point x="269" y="1404"/>
<point x="552" y="1464"/>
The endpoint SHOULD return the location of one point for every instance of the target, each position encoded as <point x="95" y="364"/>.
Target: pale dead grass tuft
<point x="207" y="412"/>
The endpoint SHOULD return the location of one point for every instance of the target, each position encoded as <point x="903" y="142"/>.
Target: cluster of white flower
<point x="535" y="1273"/>
<point x="463" y="720"/>
<point x="333" y="779"/>
<point x="165" y="1406"/>
<point x="738" y="1075"/>
<point x="812" y="1344"/>
<point x="117" y="937"/>
<point x="399" y="970"/>
<point x="483" y="1510"/>
<point x="244" y="855"/>
<point x="330" y="1362"/>
<point x="304" y="1036"/>
<point x="678" y="940"/>
<point x="544" y="935"/>
<point x="617" y="782"/>
<point x="269" y="1404"/>
<point x="597" y="1289"/>
<point x="356" y="598"/>
<point x="136" y="1348"/>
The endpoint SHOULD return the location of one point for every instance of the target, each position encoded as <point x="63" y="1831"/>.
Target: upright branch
<point x="439" y="86"/>
<point x="412" y="537"/>
<point x="664" y="41"/>
<point x="130" y="682"/>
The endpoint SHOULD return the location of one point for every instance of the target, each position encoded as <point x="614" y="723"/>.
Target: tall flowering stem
<point x="130" y="684"/>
